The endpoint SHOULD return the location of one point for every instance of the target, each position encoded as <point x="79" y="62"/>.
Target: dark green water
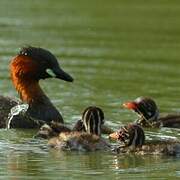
<point x="116" y="51"/>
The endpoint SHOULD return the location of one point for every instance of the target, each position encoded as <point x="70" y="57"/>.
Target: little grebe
<point x="132" y="139"/>
<point x="148" y="113"/>
<point x="92" y="112"/>
<point x="88" y="139"/>
<point x="52" y="129"/>
<point x="27" y="68"/>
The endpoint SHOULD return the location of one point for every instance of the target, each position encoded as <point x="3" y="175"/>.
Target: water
<point x="116" y="51"/>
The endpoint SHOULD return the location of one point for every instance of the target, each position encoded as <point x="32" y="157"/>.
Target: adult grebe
<point x="27" y="68"/>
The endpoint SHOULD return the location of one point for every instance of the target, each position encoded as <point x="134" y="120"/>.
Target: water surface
<point x="116" y="51"/>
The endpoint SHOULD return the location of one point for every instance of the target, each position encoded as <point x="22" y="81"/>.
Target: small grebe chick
<point x="54" y="128"/>
<point x="129" y="135"/>
<point x="88" y="139"/>
<point x="148" y="113"/>
<point x="132" y="139"/>
<point x="96" y="113"/>
<point x="27" y="68"/>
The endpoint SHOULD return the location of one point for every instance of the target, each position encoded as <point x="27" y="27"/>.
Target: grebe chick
<point x="148" y="113"/>
<point x="89" y="139"/>
<point x="129" y="135"/>
<point x="93" y="112"/>
<point x="52" y="129"/>
<point x="132" y="139"/>
<point x="27" y="68"/>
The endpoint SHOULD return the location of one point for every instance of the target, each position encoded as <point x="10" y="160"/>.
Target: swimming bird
<point x="132" y="139"/>
<point x="148" y="113"/>
<point x="88" y="139"/>
<point x="29" y="66"/>
<point x="52" y="129"/>
<point x="129" y="135"/>
<point x="96" y="113"/>
<point x="93" y="112"/>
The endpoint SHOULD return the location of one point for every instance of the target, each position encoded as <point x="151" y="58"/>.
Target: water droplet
<point x="22" y="108"/>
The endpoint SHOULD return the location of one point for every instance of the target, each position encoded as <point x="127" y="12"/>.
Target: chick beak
<point x="114" y="136"/>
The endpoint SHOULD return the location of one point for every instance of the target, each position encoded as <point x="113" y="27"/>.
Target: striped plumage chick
<point x="93" y="118"/>
<point x="132" y="139"/>
<point x="90" y="114"/>
<point x="148" y="113"/>
<point x="87" y="140"/>
<point x="130" y="135"/>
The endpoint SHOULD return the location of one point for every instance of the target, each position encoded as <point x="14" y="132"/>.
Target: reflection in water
<point x="131" y="166"/>
<point x="133" y="161"/>
<point x="34" y="159"/>
<point x="23" y="159"/>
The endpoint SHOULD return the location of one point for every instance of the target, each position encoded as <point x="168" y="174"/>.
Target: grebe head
<point x="37" y="63"/>
<point x="130" y="135"/>
<point x="93" y="118"/>
<point x="27" y="68"/>
<point x="146" y="109"/>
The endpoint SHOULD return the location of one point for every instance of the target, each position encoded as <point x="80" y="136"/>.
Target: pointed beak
<point x="130" y="105"/>
<point x="60" y="74"/>
<point x="114" y="136"/>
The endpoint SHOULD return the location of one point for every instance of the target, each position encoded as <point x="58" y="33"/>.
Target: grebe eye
<point x="50" y="72"/>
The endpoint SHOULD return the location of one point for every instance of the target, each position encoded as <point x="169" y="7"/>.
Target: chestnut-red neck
<point x="22" y="71"/>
